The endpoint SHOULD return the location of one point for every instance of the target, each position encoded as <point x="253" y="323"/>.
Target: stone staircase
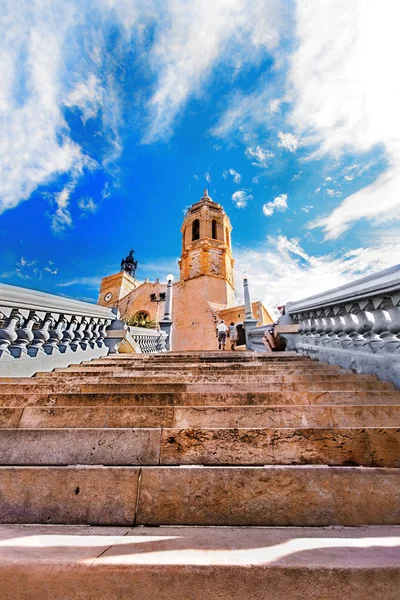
<point x="298" y="461"/>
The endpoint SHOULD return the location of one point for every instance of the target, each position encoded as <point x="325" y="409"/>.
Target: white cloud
<point x="297" y="176"/>
<point x="61" y="219"/>
<point x="87" y="96"/>
<point x="237" y="178"/>
<point x="87" y="206"/>
<point x="331" y="192"/>
<point x="281" y="271"/>
<point x="279" y="204"/>
<point x="288" y="141"/>
<point x="259" y="156"/>
<point x="307" y="208"/>
<point x="349" y="177"/>
<point x="207" y="177"/>
<point x="31" y="269"/>
<point x="192" y="37"/>
<point x="347" y="96"/>
<point x="90" y="282"/>
<point x="328" y="178"/>
<point x="240" y="198"/>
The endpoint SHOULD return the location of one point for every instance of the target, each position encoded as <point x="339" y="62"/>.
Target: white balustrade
<point x="356" y="326"/>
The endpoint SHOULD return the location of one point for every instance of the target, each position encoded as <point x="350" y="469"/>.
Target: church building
<point x="205" y="292"/>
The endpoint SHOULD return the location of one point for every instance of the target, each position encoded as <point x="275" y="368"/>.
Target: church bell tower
<point x="206" y="250"/>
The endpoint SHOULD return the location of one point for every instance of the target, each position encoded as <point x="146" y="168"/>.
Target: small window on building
<point x="195" y="230"/>
<point x="214" y="229"/>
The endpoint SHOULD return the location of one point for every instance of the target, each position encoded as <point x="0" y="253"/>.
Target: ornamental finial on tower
<point x="205" y="193"/>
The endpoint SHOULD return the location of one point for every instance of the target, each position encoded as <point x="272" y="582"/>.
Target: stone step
<point x="187" y="417"/>
<point x="275" y="366"/>
<point x="366" y="446"/>
<point x="126" y="384"/>
<point x="270" y="379"/>
<point x="143" y="397"/>
<point x="300" y="496"/>
<point x="194" y="563"/>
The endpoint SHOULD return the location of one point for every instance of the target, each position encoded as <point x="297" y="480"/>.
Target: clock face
<point x="108" y="297"/>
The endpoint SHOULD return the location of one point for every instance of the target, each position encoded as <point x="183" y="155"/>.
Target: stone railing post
<point x="249" y="321"/>
<point x="166" y="322"/>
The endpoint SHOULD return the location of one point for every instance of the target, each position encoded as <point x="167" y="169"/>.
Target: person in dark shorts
<point x="221" y="329"/>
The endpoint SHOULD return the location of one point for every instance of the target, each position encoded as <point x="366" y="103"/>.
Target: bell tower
<point x="206" y="250"/>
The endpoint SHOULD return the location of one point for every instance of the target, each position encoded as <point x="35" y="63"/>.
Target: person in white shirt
<point x="221" y="329"/>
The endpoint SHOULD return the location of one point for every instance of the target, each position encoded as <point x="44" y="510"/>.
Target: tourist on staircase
<point x="222" y="331"/>
<point x="233" y="335"/>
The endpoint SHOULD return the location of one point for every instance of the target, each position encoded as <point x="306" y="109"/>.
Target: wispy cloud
<point x="281" y="270"/>
<point x="87" y="206"/>
<point x="347" y="97"/>
<point x="237" y="178"/>
<point x="279" y="204"/>
<point x="288" y="141"/>
<point x="240" y="198"/>
<point x="259" y="156"/>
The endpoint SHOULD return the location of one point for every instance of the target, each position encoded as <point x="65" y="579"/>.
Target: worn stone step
<point x="365" y="446"/>
<point x="200" y="416"/>
<point x="267" y="377"/>
<point x="217" y="368"/>
<point x="297" y="496"/>
<point x="39" y="397"/>
<point x="129" y="384"/>
<point x="194" y="563"/>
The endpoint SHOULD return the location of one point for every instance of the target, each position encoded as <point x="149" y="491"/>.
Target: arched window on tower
<point x="195" y="230"/>
<point x="214" y="229"/>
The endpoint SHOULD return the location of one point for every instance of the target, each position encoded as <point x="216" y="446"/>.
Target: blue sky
<point x="115" y="114"/>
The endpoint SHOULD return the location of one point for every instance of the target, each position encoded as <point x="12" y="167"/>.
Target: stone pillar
<point x="249" y="321"/>
<point x="166" y="321"/>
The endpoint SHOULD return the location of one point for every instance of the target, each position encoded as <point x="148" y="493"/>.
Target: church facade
<point x="205" y="292"/>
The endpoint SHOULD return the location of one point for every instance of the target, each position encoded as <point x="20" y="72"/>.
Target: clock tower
<point x="206" y="250"/>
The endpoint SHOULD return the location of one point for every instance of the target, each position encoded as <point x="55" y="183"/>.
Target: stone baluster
<point x="41" y="336"/>
<point x="8" y="334"/>
<point x="349" y="324"/>
<point x="68" y="335"/>
<point x="95" y="333"/>
<point x="364" y="325"/>
<point x="381" y="336"/>
<point x="102" y="332"/>
<point x="78" y="335"/>
<point x="87" y="334"/>
<point x="55" y="335"/>
<point x="392" y="339"/>
<point x="319" y="330"/>
<point x="25" y="336"/>
<point x="338" y="323"/>
<point x="329" y="323"/>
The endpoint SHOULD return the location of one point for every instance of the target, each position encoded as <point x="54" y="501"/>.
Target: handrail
<point x="356" y="325"/>
<point x="14" y="297"/>
<point x="381" y="283"/>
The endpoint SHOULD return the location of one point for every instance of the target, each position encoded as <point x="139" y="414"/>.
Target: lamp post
<point x="249" y="321"/>
<point x="166" y="321"/>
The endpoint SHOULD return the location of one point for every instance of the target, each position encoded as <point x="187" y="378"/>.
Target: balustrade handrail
<point x="378" y="284"/>
<point x="14" y="297"/>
